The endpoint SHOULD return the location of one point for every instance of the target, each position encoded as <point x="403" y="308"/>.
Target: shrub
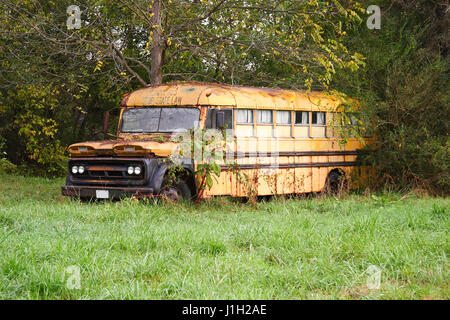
<point x="404" y="91"/>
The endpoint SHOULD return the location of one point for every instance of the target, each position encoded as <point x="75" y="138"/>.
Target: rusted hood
<point x="123" y="148"/>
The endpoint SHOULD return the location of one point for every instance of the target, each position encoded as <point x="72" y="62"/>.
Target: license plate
<point x="102" y="194"/>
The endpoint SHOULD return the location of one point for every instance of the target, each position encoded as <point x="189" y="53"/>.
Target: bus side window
<point x="211" y="118"/>
<point x="302" y="118"/>
<point x="244" y="116"/>
<point x="318" y="118"/>
<point x="301" y="124"/>
<point x="318" y="124"/>
<point x="332" y="124"/>
<point x="284" y="123"/>
<point x="210" y="122"/>
<point x="264" y="116"/>
<point x="228" y="118"/>
<point x="244" y="122"/>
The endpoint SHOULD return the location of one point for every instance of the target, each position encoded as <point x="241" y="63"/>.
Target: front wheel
<point x="175" y="191"/>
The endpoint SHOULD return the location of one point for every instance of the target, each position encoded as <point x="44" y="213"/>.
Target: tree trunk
<point x="158" y="45"/>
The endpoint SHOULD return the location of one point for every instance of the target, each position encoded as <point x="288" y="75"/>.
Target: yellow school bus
<point x="276" y="142"/>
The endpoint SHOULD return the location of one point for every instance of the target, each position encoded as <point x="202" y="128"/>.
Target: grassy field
<point x="316" y="248"/>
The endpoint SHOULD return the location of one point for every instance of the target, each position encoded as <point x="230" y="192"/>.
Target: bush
<point x="7" y="166"/>
<point x="404" y="91"/>
<point x="31" y="130"/>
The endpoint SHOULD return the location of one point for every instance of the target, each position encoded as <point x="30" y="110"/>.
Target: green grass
<point x="316" y="248"/>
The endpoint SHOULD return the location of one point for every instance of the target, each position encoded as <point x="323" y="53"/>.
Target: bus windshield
<point x="159" y="119"/>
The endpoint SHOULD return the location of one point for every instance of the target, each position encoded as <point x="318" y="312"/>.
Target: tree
<point x="270" y="42"/>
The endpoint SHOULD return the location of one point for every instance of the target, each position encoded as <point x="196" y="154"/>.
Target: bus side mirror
<point x="106" y="123"/>
<point x="220" y="120"/>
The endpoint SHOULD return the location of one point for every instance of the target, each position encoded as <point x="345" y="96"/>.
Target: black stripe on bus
<point x="236" y="155"/>
<point x="293" y="165"/>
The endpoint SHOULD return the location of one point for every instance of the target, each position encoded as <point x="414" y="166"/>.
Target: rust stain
<point x="201" y="93"/>
<point x="102" y="168"/>
<point x="117" y="147"/>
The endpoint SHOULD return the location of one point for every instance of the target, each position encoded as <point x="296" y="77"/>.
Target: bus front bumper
<point x="100" y="192"/>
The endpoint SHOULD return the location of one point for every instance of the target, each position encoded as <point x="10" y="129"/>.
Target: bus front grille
<point x="110" y="171"/>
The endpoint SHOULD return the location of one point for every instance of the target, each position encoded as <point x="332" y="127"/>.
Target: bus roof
<point x="214" y="94"/>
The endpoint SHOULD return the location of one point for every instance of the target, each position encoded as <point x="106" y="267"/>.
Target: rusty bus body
<point x="289" y="128"/>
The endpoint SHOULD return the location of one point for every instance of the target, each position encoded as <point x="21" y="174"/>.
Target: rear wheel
<point x="335" y="183"/>
<point x="175" y="191"/>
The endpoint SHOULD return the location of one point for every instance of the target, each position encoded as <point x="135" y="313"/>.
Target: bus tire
<point x="175" y="191"/>
<point x="336" y="183"/>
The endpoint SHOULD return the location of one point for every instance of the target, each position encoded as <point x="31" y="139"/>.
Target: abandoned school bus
<point x="283" y="142"/>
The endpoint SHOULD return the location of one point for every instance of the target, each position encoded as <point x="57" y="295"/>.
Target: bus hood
<point x="123" y="148"/>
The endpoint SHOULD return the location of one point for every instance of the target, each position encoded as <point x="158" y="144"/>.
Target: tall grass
<point x="221" y="249"/>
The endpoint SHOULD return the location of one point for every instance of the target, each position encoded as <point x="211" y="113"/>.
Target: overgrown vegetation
<point x="311" y="248"/>
<point x="404" y="90"/>
<point x="55" y="83"/>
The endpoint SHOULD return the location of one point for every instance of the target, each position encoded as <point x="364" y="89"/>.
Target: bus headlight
<point x="81" y="169"/>
<point x="137" y="170"/>
<point x="130" y="170"/>
<point x="75" y="169"/>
